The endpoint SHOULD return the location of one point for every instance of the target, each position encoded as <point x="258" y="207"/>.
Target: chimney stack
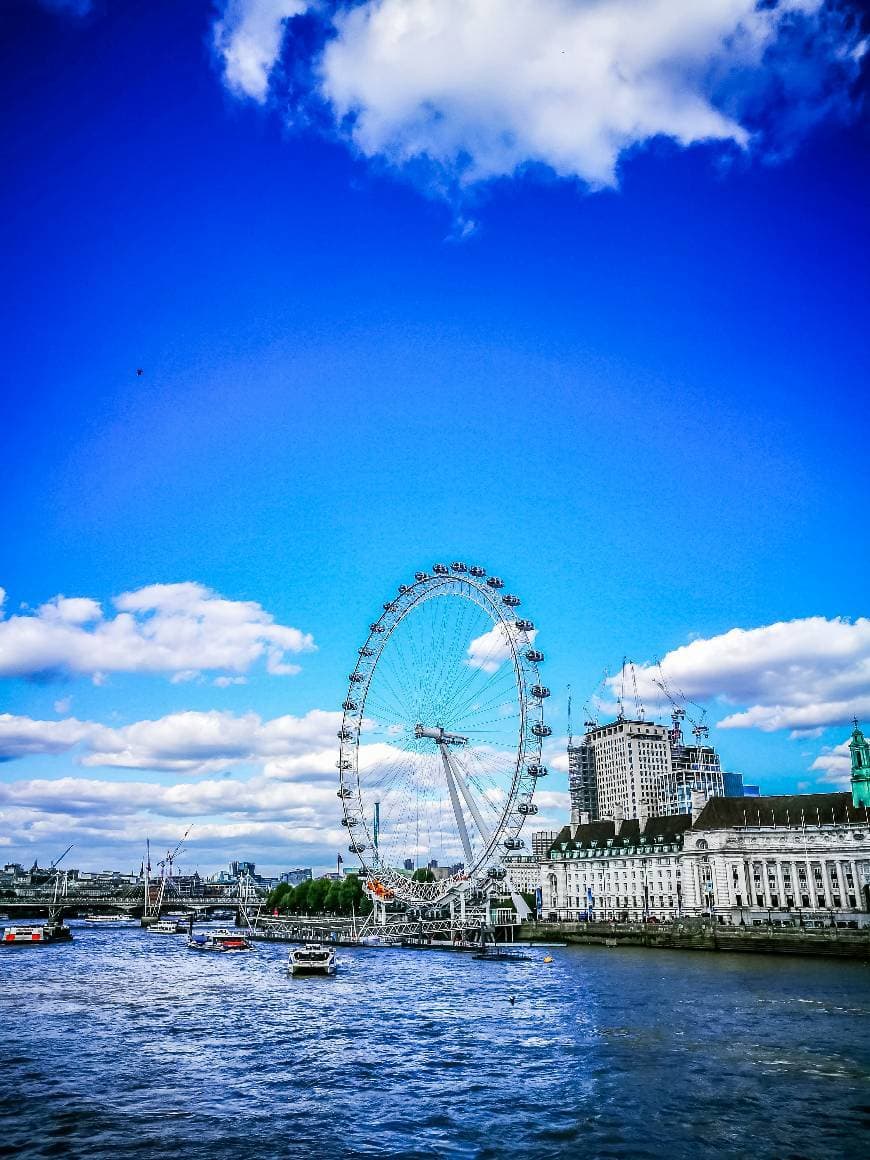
<point x="618" y="819"/>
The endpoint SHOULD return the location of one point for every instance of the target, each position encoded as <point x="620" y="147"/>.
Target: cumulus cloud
<point x="801" y="675"/>
<point x="188" y="742"/>
<point x="491" y="649"/>
<point x="835" y="765"/>
<point x="248" y="39"/>
<point x="476" y="89"/>
<point x="179" y="629"/>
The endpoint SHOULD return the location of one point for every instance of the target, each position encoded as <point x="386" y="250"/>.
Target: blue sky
<point x="623" y="367"/>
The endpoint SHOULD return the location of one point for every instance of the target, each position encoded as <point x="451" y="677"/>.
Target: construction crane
<point x="700" y="729"/>
<point x="591" y="715"/>
<point x="570" y="731"/>
<point x="58" y="861"/>
<point x="165" y="867"/>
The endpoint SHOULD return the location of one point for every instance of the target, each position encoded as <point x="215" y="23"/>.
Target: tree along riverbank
<point x="698" y="935"/>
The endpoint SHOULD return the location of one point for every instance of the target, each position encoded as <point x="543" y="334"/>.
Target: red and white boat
<point x="16" y="935"/>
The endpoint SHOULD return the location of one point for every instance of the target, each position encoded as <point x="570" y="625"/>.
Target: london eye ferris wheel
<point x="441" y="736"/>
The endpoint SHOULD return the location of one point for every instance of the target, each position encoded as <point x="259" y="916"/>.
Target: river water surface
<point x="125" y="1044"/>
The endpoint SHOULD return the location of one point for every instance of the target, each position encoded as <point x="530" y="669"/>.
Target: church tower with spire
<point x="859" y="748"/>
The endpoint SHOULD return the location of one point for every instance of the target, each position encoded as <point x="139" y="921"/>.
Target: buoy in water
<point x="548" y="958"/>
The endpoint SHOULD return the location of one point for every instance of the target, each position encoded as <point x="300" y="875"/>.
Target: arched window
<point x="702" y="843"/>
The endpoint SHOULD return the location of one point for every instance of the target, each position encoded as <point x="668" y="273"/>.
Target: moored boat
<point x="35" y="934"/>
<point x="378" y="940"/>
<point x="22" y="935"/>
<point x="312" y="959"/>
<point x="219" y="940"/>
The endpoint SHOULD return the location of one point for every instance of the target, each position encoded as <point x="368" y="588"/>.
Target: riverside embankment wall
<point x="705" y="936"/>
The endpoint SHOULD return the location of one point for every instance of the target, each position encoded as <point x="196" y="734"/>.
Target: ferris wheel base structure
<point x="441" y="741"/>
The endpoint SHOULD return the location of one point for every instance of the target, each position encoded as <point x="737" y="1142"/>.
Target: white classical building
<point x="779" y="859"/>
<point x="787" y="860"/>
<point x="620" y="870"/>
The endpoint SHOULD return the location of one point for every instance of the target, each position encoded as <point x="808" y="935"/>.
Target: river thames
<point x="127" y="1044"/>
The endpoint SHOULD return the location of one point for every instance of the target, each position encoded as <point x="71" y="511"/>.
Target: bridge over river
<point x="133" y="904"/>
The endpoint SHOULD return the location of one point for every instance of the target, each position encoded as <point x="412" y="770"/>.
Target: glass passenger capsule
<point x="527" y="808"/>
<point x="376" y="628"/>
<point x="350" y="821"/>
<point x="524" y="625"/>
<point x="534" y="655"/>
<point x="344" y="793"/>
<point x="495" y="582"/>
<point x="477" y="571"/>
<point x="440" y="569"/>
<point x="349" y="706"/>
<point x="458" y="566"/>
<point x="540" y="691"/>
<point x="345" y="735"/>
<point x="537" y="770"/>
<point x="365" y="651"/>
<point x="356" y="678"/>
<point x="421" y="575"/>
<point x="541" y="730"/>
<point x="344" y="763"/>
<point x="510" y="600"/>
<point x="513" y="843"/>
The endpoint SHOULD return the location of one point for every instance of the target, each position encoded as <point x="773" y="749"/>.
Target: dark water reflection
<point x="127" y="1044"/>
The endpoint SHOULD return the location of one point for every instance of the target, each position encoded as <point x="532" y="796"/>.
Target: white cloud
<point x="248" y="38"/>
<point x="286" y="812"/>
<point x="835" y="763"/>
<point x="490" y="650"/>
<point x="24" y="737"/>
<point x="477" y="89"/>
<point x="188" y="742"/>
<point x="170" y="628"/>
<point x="801" y="675"/>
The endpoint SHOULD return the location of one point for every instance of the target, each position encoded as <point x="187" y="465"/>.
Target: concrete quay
<point x="700" y="935"/>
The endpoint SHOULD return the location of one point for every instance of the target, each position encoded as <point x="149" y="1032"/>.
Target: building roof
<point x="596" y="835"/>
<point x="811" y="809"/>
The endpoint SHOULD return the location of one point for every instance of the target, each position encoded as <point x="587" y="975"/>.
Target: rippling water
<point x="127" y="1044"/>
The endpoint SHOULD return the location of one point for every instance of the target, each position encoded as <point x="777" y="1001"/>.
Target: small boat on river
<point x="312" y="959"/>
<point x="221" y="941"/>
<point x="167" y="926"/>
<point x="492" y="953"/>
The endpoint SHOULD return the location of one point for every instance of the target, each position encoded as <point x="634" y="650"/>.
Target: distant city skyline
<point x="278" y="335"/>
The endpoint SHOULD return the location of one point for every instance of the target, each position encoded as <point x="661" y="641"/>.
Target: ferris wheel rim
<point x="519" y="635"/>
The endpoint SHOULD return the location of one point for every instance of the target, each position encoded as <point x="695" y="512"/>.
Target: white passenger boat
<point x="220" y="941"/>
<point x="312" y="959"/>
<point x="167" y="926"/>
